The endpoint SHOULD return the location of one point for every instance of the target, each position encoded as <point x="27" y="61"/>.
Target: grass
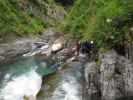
<point x="107" y="22"/>
<point x="103" y="21"/>
<point x="27" y="17"/>
<point x="14" y="21"/>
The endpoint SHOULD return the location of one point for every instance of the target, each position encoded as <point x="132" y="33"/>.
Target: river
<point x="24" y="78"/>
<point x="64" y="85"/>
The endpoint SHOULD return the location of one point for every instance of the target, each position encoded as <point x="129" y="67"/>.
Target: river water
<point x="24" y="78"/>
<point x="64" y="85"/>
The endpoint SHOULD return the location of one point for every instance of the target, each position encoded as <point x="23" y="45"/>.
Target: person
<point x="77" y="47"/>
<point x="86" y="47"/>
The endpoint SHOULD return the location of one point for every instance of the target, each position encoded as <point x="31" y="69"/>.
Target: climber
<point x="87" y="47"/>
<point x="77" y="47"/>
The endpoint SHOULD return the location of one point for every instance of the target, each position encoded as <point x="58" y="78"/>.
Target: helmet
<point x="91" y="42"/>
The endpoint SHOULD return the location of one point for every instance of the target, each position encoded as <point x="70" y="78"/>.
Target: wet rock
<point x="25" y="47"/>
<point x="56" y="47"/>
<point x="71" y="59"/>
<point x="45" y="50"/>
<point x="29" y="97"/>
<point x="58" y="44"/>
<point x="92" y="81"/>
<point x="115" y="79"/>
<point x="65" y="51"/>
<point x="128" y="51"/>
<point x="112" y="79"/>
<point x="125" y="70"/>
<point x="9" y="51"/>
<point x="39" y="44"/>
<point x="46" y="87"/>
<point x="44" y="47"/>
<point x="64" y="55"/>
<point x="107" y="73"/>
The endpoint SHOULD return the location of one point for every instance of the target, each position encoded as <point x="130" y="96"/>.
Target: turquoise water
<point x="66" y="84"/>
<point x="24" y="77"/>
<point x="24" y="65"/>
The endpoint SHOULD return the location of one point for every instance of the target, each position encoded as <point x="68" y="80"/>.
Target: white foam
<point x="27" y="84"/>
<point x="7" y="76"/>
<point x="30" y="54"/>
<point x="68" y="89"/>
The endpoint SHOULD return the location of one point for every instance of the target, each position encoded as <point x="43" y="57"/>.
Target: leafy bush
<point x="27" y="17"/>
<point x="103" y="21"/>
<point x="15" y="21"/>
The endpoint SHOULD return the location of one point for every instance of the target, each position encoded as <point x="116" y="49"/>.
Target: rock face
<point x="92" y="82"/>
<point x="23" y="47"/>
<point x="110" y="80"/>
<point x="56" y="47"/>
<point x="107" y="73"/>
<point x="128" y="51"/>
<point x="41" y="46"/>
<point x="9" y="51"/>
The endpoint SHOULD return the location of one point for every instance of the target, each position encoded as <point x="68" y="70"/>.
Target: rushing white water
<point x="69" y="89"/>
<point x="26" y="84"/>
<point x="30" y="54"/>
<point x="23" y="79"/>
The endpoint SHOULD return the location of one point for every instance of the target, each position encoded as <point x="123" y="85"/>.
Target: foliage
<point x="103" y="21"/>
<point x="26" y="17"/>
<point x="15" y="21"/>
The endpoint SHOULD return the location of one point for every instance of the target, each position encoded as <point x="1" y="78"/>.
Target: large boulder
<point x="58" y="44"/>
<point x="56" y="47"/>
<point x="25" y="47"/>
<point x="10" y="51"/>
<point x="107" y="76"/>
<point x="112" y="78"/>
<point x="92" y="81"/>
<point x="42" y="46"/>
<point x="116" y="76"/>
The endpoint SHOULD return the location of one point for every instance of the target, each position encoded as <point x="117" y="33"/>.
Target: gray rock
<point x="107" y="80"/>
<point x="10" y="51"/>
<point x="49" y="35"/>
<point x="92" y="81"/>
<point x="129" y="51"/>
<point x="113" y="79"/>
<point x="2" y="58"/>
<point x="58" y="44"/>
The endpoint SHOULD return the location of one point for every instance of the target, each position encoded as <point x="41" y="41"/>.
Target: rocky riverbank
<point x="110" y="78"/>
<point x="50" y="44"/>
<point x="11" y="50"/>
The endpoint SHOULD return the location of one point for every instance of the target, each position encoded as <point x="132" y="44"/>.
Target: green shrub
<point x="27" y="17"/>
<point x="103" y="21"/>
<point x="13" y="20"/>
